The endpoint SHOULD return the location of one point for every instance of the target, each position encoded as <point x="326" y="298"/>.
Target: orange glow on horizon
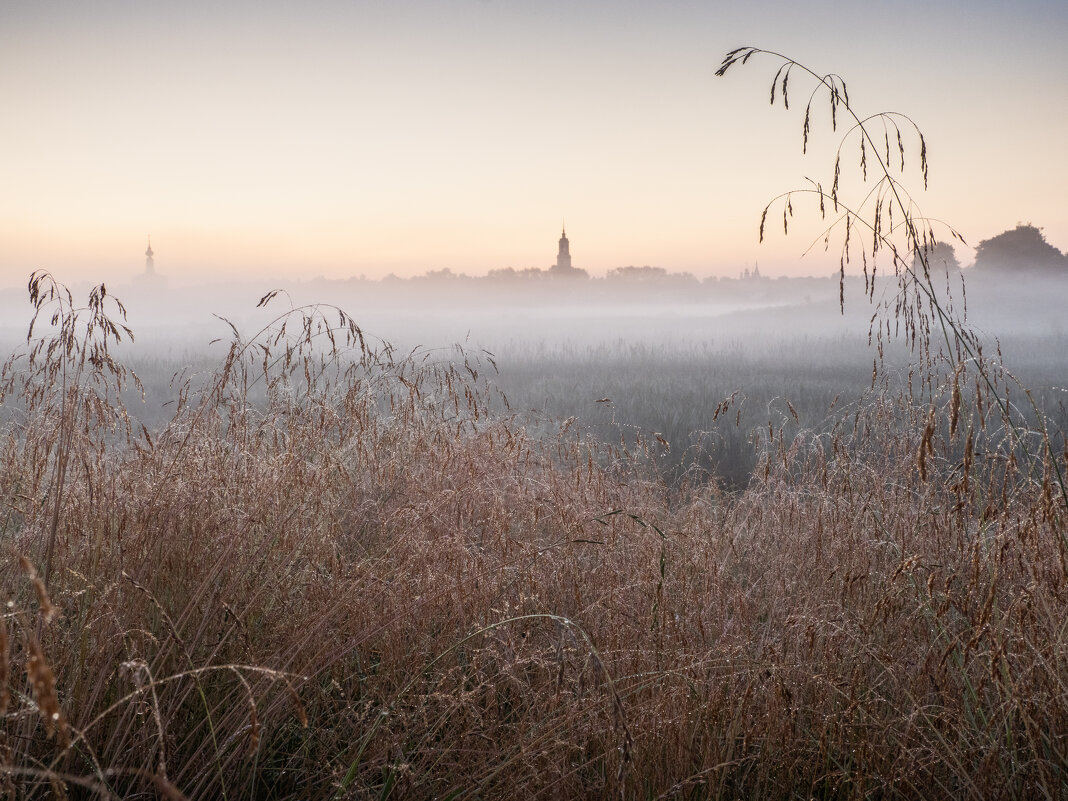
<point x="402" y="138"/>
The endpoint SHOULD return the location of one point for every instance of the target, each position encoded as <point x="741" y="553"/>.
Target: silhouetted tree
<point x="941" y="258"/>
<point x="1022" y="248"/>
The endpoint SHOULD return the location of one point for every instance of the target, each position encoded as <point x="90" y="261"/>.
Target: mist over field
<point x="651" y="355"/>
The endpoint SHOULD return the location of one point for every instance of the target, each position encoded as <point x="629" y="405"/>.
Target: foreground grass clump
<point x="335" y="574"/>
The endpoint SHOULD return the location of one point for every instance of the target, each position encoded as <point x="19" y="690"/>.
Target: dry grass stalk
<point x="7" y="780"/>
<point x="5" y="669"/>
<point x="48" y="610"/>
<point x="926" y="447"/>
<point x="253" y="717"/>
<point x="166" y="789"/>
<point x="39" y="673"/>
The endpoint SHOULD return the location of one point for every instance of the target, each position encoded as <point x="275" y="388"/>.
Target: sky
<point x="290" y="140"/>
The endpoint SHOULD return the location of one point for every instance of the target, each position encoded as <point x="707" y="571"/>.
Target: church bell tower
<point x="563" y="256"/>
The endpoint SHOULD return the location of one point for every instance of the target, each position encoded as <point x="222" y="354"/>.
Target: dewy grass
<point x="340" y="571"/>
<point x="918" y="302"/>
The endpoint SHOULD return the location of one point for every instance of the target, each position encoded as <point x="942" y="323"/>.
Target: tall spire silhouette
<point x="150" y="280"/>
<point x="563" y="255"/>
<point x="150" y="264"/>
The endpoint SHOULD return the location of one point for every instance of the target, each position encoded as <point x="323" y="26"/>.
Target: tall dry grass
<point x="341" y="571"/>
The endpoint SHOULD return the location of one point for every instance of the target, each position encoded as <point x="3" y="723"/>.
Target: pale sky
<point x="297" y="139"/>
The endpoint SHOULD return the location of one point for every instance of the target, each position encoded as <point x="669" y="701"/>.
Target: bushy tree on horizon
<point x="1021" y="248"/>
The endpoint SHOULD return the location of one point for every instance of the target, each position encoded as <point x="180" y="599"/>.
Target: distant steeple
<point x="150" y="280"/>
<point x="563" y="255"/>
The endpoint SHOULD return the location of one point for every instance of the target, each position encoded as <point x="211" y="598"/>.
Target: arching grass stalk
<point x="919" y="235"/>
<point x="151" y="686"/>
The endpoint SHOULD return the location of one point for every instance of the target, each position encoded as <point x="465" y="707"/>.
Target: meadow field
<point x="315" y="566"/>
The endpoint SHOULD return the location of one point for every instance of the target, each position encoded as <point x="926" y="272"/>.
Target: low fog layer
<point x="649" y="356"/>
<point x="666" y="310"/>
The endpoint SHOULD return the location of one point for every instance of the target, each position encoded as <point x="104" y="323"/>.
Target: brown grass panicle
<point x="913" y="304"/>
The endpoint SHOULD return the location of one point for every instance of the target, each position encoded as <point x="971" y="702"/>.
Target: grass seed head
<point x="39" y="673"/>
<point x="48" y="610"/>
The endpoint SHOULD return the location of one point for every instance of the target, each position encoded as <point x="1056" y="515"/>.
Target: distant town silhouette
<point x="1023" y="249"/>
